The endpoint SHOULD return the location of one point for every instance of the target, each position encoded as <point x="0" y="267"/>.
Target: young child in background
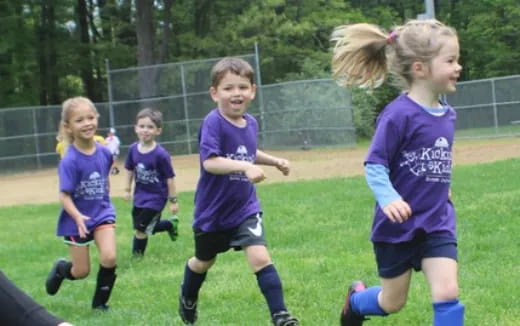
<point x="227" y="210"/>
<point x="113" y="143"/>
<point x="87" y="215"/>
<point x="150" y="165"/>
<point x="408" y="165"/>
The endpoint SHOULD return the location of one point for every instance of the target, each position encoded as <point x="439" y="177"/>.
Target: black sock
<point x="162" y="225"/>
<point x="271" y="287"/>
<point x="105" y="282"/>
<point x="192" y="283"/>
<point x="139" y="246"/>
<point x="65" y="270"/>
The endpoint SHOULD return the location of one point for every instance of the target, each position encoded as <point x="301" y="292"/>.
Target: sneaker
<point x="174" y="231"/>
<point x="53" y="282"/>
<point x="348" y="317"/>
<point x="187" y="309"/>
<point x="283" y="318"/>
<point x="102" y="307"/>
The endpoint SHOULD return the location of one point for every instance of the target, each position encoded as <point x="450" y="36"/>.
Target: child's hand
<point x="283" y="165"/>
<point x="82" y="228"/>
<point x="398" y="211"/>
<point x="174" y="208"/>
<point x="254" y="173"/>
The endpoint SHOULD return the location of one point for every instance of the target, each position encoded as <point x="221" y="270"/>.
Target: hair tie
<point x="391" y="37"/>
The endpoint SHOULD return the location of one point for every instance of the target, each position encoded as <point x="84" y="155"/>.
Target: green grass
<point x="317" y="233"/>
<point x="487" y="132"/>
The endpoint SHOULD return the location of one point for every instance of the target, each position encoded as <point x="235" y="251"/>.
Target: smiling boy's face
<point x="233" y="95"/>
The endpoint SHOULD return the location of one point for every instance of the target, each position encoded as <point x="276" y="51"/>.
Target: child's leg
<point x="194" y="275"/>
<point x="106" y="244"/>
<point x="140" y="243"/>
<point x="441" y="274"/>
<point x="266" y="276"/>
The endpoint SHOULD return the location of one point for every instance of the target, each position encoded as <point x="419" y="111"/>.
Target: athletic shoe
<point x="174" y="231"/>
<point x="102" y="307"/>
<point x="348" y="317"/>
<point x="187" y="309"/>
<point x="53" y="282"/>
<point x="283" y="318"/>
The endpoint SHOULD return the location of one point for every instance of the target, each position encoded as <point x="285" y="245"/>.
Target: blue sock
<point x="365" y="302"/>
<point x="139" y="246"/>
<point x="271" y="287"/>
<point x="448" y="313"/>
<point x="192" y="283"/>
<point x="162" y="226"/>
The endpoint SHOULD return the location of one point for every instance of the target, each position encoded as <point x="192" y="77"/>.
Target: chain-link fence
<point x="300" y="114"/>
<point x="487" y="108"/>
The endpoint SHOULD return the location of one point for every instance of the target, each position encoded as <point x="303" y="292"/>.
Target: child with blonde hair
<point x="87" y="215"/>
<point x="408" y="165"/>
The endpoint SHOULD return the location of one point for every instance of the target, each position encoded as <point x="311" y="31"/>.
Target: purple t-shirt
<point x="151" y="173"/>
<point x="85" y="178"/>
<point x="417" y="149"/>
<point x="225" y="201"/>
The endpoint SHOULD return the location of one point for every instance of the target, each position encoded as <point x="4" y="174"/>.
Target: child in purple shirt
<point x="227" y="210"/>
<point x="408" y="165"/>
<point x="150" y="165"/>
<point x="87" y="215"/>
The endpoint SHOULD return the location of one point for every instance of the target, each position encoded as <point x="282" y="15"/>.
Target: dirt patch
<point x="42" y="186"/>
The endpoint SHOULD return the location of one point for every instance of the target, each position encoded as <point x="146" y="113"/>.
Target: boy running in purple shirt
<point x="87" y="215"/>
<point x="150" y="165"/>
<point x="227" y="210"/>
<point x="408" y="165"/>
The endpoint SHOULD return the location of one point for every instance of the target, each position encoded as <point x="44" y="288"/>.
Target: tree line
<point x="53" y="49"/>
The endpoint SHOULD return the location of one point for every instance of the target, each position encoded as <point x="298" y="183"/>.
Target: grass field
<point x="318" y="237"/>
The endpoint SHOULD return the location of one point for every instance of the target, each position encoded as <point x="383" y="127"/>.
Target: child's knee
<point x="393" y="306"/>
<point x="259" y="262"/>
<point x="446" y="291"/>
<point x="80" y="272"/>
<point x="108" y="259"/>
<point x="200" y="266"/>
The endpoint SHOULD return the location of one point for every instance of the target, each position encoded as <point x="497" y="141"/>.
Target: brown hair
<point x="363" y="54"/>
<point x="66" y="110"/>
<point x="231" y="64"/>
<point x="153" y="114"/>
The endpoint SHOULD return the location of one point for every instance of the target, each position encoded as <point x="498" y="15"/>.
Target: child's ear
<point x="253" y="93"/>
<point x="213" y="94"/>
<point x="419" y="69"/>
<point x="159" y="130"/>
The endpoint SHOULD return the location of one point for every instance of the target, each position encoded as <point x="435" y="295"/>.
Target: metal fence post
<point x="495" y="113"/>
<point x="109" y="85"/>
<point x="260" y="92"/>
<point x="35" y="134"/>
<point x="185" y="104"/>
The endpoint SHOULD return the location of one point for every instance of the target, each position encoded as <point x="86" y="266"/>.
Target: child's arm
<point x="221" y="165"/>
<point x="280" y="163"/>
<point x="394" y="207"/>
<point x="128" y="184"/>
<point x="172" y="195"/>
<point x="72" y="210"/>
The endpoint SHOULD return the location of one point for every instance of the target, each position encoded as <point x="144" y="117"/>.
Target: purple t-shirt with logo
<point x="151" y="173"/>
<point x="225" y="201"/>
<point x="417" y="149"/>
<point x="85" y="178"/>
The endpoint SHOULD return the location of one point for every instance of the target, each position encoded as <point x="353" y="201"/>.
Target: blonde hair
<point x="66" y="111"/>
<point x="364" y="54"/>
<point x="231" y="64"/>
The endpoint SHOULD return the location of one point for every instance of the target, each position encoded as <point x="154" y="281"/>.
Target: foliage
<point x="319" y="246"/>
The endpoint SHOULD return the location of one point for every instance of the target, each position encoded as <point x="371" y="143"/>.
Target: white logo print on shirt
<point x="92" y="188"/>
<point x="241" y="154"/>
<point x="144" y="176"/>
<point x="432" y="162"/>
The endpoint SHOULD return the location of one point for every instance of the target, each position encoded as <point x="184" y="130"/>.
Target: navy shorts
<point x="394" y="259"/>
<point x="209" y="244"/>
<point x="75" y="240"/>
